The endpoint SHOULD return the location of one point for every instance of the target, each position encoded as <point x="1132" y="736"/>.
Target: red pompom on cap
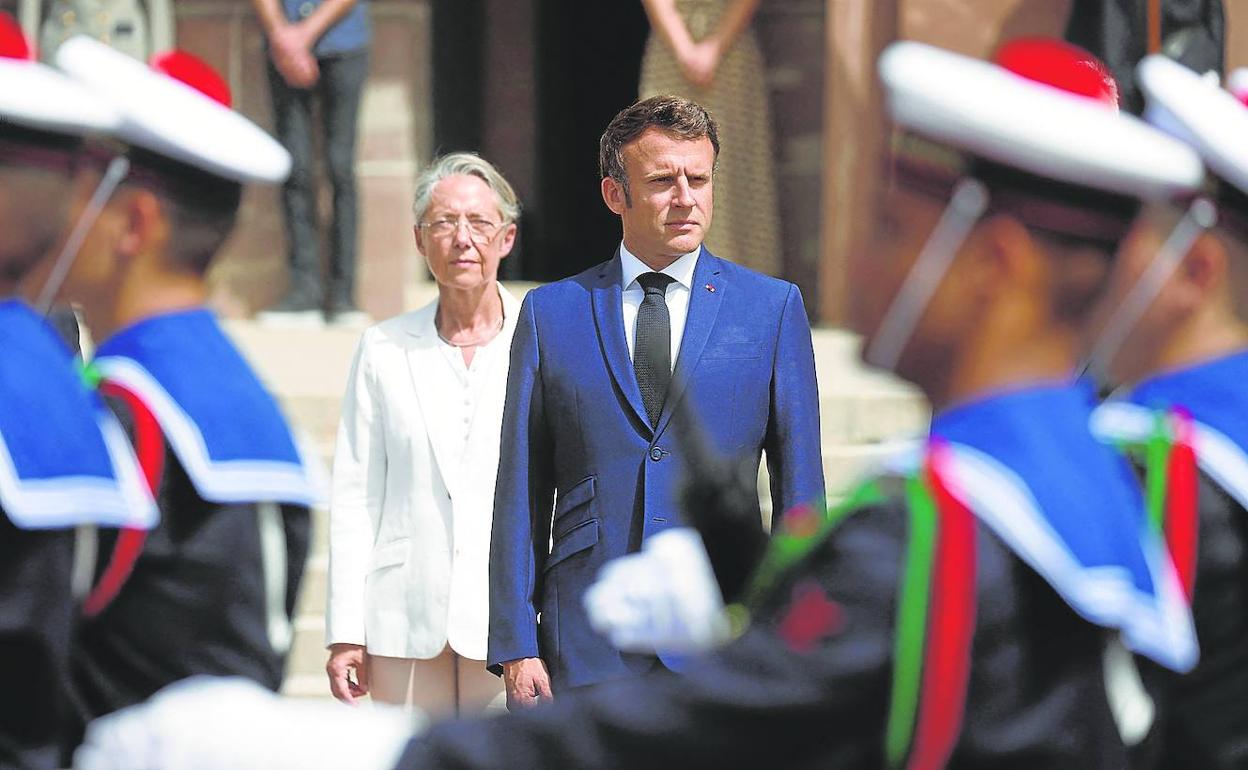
<point x="194" y="72"/>
<point x="13" y="43"/>
<point x="1061" y="65"/>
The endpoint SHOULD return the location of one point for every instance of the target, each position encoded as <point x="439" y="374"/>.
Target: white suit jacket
<point x="409" y="527"/>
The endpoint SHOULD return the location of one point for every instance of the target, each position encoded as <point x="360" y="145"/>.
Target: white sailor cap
<point x="178" y="109"/>
<point x="1046" y="109"/>
<point x="1237" y="84"/>
<point x="1196" y="110"/>
<point x="38" y="98"/>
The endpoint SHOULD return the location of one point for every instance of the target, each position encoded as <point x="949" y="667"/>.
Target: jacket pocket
<point x="573" y="499"/>
<point x="388" y="555"/>
<point x="575" y="540"/>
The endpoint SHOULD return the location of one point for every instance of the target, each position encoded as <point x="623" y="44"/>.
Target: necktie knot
<point x="654" y="283"/>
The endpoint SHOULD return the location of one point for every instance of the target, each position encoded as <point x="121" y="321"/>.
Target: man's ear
<point x="613" y="196"/>
<point x="144" y="224"/>
<point x="1002" y="254"/>
<point x="1202" y="273"/>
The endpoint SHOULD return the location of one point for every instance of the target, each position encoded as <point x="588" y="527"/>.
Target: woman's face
<point x="462" y="234"/>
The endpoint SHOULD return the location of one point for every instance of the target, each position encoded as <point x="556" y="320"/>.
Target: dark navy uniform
<point x="64" y="463"/>
<point x="1058" y="540"/>
<point x="212" y="589"/>
<point x="1204" y="719"/>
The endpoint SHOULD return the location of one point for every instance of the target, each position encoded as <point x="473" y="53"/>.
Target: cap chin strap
<point x="966" y="205"/>
<point x="117" y="169"/>
<point x="1200" y="216"/>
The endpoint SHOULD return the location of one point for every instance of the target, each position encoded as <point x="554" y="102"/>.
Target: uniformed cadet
<point x="1178" y="345"/>
<point x="957" y="611"/>
<point x="64" y="460"/>
<point x="212" y="589"/>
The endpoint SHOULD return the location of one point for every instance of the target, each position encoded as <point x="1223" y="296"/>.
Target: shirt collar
<point x="681" y="270"/>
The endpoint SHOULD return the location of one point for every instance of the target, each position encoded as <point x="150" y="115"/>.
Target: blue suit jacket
<point x="581" y="464"/>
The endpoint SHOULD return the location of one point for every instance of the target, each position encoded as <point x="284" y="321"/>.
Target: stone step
<point x="320" y="532"/>
<point x="312" y="594"/>
<point x="307" y="650"/>
<point x="308" y="369"/>
<point x="313" y="686"/>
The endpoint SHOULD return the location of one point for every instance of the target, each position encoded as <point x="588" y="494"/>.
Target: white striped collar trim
<point x="1159" y="627"/>
<point x="69" y="501"/>
<point x="1218" y="456"/>
<point x="232" y="481"/>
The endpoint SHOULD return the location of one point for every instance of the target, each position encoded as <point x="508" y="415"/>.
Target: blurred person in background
<point x="1122" y="32"/>
<point x="137" y="28"/>
<point x="318" y="51"/>
<point x="705" y="50"/>
<point x="211" y="589"/>
<point x="416" y="460"/>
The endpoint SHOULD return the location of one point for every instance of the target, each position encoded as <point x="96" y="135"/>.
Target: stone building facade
<point x="486" y="74"/>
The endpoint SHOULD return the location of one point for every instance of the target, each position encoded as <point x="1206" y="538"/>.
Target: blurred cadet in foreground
<point x="958" y="611"/>
<point x="1179" y="304"/>
<point x="211" y="589"/>
<point x="1122" y="32"/>
<point x="64" y="460"/>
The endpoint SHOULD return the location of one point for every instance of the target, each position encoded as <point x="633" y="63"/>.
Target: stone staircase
<point x="307" y="368"/>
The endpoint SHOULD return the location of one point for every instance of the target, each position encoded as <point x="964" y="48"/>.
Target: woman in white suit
<point x="415" y="463"/>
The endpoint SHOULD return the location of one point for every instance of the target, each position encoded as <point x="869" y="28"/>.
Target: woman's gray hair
<point x="465" y="164"/>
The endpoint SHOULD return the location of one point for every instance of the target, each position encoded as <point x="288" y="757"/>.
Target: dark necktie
<point x="652" y="348"/>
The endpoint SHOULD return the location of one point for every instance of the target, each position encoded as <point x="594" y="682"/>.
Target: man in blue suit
<point x="590" y="455"/>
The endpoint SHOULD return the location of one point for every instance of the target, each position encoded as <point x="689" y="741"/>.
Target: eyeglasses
<point x="479" y="230"/>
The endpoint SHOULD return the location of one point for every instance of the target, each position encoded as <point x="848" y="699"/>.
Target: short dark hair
<point x="675" y="115"/>
<point x="202" y="207"/>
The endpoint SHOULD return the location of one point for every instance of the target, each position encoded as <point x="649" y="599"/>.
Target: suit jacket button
<point x="656" y="454"/>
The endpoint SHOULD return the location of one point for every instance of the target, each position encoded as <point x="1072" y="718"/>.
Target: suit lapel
<point x="704" y="307"/>
<point x="427" y="371"/>
<point x="609" y="318"/>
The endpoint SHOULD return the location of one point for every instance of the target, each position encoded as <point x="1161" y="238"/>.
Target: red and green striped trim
<point x="1172" y="489"/>
<point x="149" y="447"/>
<point x="800" y="530"/>
<point x="935" y="623"/>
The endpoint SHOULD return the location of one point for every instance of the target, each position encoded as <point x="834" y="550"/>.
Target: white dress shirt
<point x="472" y="380"/>
<point x="677" y="296"/>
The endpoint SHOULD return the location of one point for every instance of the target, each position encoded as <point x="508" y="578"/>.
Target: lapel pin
<point x="710" y="288"/>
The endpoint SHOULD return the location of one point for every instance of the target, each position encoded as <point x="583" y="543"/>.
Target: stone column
<point x="854" y="130"/>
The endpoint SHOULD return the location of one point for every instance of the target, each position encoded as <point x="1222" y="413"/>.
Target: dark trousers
<point x="339" y="89"/>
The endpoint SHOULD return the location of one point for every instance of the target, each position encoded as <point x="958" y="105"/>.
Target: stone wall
<point x="791" y="34"/>
<point x="820" y="56"/>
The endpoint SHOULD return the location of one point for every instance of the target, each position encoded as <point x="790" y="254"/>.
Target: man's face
<point x="671" y="194"/>
<point x="462" y="234"/>
<point x="33" y="215"/>
<point x="95" y="268"/>
<point x="903" y="222"/>
<point x="1132" y="359"/>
